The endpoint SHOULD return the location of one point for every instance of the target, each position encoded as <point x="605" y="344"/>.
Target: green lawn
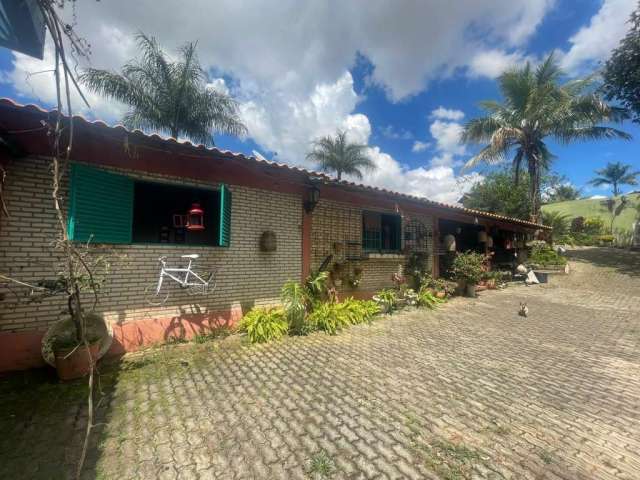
<point x="594" y="208"/>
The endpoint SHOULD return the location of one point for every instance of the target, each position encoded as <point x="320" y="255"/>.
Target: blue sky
<point x="403" y="81"/>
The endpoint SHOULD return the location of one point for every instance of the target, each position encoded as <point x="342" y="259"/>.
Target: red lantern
<point x="195" y="218"/>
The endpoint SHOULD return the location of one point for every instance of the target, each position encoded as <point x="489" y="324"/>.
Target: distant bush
<point x="606" y="239"/>
<point x="577" y="225"/>
<point x="593" y="226"/>
<point x="544" y="255"/>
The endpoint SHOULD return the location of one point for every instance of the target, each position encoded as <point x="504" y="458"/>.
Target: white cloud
<point x="436" y="183"/>
<point x="286" y="45"/>
<point x="447" y="136"/>
<point x="597" y="197"/>
<point x="595" y="41"/>
<point x="33" y="80"/>
<point x="491" y="63"/>
<point x="447" y="114"/>
<point x="286" y="124"/>
<point x="218" y="85"/>
<point x="419" y="146"/>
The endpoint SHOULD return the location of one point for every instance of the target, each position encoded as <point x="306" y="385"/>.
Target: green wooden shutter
<point x="224" y="239"/>
<point x="100" y="206"/>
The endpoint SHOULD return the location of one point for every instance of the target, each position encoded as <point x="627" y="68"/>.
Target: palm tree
<point x="168" y="96"/>
<point x="338" y="155"/>
<point x="558" y="221"/>
<point x="615" y="174"/>
<point x="536" y="107"/>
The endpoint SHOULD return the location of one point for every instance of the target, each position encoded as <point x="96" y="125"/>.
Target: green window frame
<point x="101" y="206"/>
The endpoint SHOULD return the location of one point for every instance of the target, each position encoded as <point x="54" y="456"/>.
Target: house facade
<point x="129" y="195"/>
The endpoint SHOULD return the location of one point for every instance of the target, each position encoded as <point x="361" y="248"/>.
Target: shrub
<point x="387" y="300"/>
<point x="544" y="255"/>
<point x="437" y="284"/>
<point x="264" y="324"/>
<point x="606" y="239"/>
<point x="332" y="317"/>
<point x="583" y="239"/>
<point x="577" y="225"/>
<point x="593" y="226"/>
<point x="428" y="299"/>
<point x="468" y="267"/>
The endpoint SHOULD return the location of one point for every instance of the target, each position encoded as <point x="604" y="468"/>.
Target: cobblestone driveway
<point x="470" y="391"/>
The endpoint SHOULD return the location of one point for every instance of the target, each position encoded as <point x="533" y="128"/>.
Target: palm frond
<point x="168" y="96"/>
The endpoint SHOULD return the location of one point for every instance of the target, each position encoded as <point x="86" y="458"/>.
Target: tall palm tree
<point x="537" y="107"/>
<point x="168" y="96"/>
<point x="616" y="174"/>
<point x="337" y="154"/>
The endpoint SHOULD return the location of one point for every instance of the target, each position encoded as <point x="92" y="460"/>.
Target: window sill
<point x="384" y="256"/>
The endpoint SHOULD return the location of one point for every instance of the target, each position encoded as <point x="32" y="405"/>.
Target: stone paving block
<point x="553" y="396"/>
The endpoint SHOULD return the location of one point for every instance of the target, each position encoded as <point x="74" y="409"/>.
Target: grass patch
<point x="588" y="207"/>
<point x="546" y="457"/>
<point x="321" y="465"/>
<point x="448" y="460"/>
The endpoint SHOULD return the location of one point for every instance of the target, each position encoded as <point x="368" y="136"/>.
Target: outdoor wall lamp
<point x="312" y="199"/>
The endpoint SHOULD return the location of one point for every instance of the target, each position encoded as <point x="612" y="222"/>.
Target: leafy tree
<point x="616" y="174"/>
<point x="337" y="154"/>
<point x="497" y="194"/>
<point x="168" y="96"/>
<point x="536" y="107"/>
<point x="563" y="193"/>
<point x="622" y="71"/>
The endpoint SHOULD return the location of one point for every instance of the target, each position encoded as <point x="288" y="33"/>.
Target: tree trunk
<point x="339" y="175"/>
<point x="534" y="189"/>
<point x="616" y="192"/>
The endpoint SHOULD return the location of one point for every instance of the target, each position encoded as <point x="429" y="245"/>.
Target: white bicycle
<point x="186" y="279"/>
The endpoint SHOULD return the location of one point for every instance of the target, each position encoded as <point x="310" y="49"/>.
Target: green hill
<point x="588" y="207"/>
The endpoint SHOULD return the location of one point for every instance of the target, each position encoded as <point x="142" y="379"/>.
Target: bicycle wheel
<point x="206" y="288"/>
<point x="155" y="298"/>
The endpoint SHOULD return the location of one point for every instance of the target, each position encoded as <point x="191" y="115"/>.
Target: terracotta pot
<point x="491" y="284"/>
<point x="75" y="365"/>
<point x="441" y="294"/>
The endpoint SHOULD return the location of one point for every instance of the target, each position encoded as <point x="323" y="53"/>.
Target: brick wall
<point x="337" y="230"/>
<point x="246" y="276"/>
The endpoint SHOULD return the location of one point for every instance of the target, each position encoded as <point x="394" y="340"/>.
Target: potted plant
<point x="468" y="269"/>
<point x="71" y="358"/>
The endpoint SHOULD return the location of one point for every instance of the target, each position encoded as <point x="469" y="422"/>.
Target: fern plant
<point x="264" y="324"/>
